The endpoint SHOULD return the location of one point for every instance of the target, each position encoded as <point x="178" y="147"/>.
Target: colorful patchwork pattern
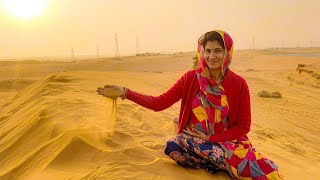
<point x="210" y="115"/>
<point x="212" y="97"/>
<point x="193" y="152"/>
<point x="244" y="162"/>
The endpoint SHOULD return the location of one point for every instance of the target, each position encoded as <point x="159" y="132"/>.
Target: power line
<point x="253" y="42"/>
<point x="137" y="45"/>
<point x="117" y="53"/>
<point x="72" y="55"/>
<point x="98" y="52"/>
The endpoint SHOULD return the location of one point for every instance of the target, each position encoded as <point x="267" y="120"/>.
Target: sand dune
<point x="306" y="74"/>
<point x="57" y="127"/>
<point x="43" y="119"/>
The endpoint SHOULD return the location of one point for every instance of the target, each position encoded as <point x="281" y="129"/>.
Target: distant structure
<point x="117" y="53"/>
<point x="137" y="45"/>
<point x="253" y="42"/>
<point x="98" y="53"/>
<point x="72" y="55"/>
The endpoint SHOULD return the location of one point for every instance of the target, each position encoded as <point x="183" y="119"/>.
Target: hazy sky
<point x="160" y="25"/>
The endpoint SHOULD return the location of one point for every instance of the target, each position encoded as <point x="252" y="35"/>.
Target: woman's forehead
<point x="213" y="45"/>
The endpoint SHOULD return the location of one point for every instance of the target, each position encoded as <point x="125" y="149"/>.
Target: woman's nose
<point x="212" y="55"/>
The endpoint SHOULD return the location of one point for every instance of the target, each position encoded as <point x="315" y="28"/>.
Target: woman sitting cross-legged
<point x="215" y="114"/>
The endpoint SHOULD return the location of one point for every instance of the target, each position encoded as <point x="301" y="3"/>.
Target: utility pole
<point x="253" y="41"/>
<point x="72" y="55"/>
<point x="98" y="53"/>
<point x="117" y="53"/>
<point x="137" y="45"/>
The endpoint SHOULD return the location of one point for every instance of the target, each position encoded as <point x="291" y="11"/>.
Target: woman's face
<point x="214" y="55"/>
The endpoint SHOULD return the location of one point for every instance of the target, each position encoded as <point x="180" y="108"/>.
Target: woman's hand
<point x="111" y="91"/>
<point x="197" y="133"/>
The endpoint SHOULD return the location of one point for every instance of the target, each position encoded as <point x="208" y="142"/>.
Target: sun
<point x="25" y="9"/>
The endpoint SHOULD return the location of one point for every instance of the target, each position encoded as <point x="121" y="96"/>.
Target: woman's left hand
<point x="196" y="133"/>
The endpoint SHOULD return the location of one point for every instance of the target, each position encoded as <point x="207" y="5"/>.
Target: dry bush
<point x="267" y="94"/>
<point x="276" y="94"/>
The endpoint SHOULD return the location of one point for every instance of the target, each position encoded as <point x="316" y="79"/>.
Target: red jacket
<point x="187" y="86"/>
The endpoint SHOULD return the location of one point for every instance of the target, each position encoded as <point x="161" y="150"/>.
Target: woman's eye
<point x="207" y="51"/>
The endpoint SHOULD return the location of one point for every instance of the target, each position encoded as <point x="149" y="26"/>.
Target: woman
<point x="214" y="116"/>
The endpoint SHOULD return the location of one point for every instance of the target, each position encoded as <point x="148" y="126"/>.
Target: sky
<point x="155" y="25"/>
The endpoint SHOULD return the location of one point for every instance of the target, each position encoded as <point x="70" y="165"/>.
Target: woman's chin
<point x="213" y="67"/>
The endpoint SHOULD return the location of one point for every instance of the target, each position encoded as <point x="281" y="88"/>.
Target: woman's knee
<point x="172" y="146"/>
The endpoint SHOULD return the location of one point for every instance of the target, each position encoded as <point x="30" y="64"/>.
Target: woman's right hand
<point x="112" y="91"/>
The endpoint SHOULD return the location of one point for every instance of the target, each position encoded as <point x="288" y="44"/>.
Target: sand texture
<point x="53" y="125"/>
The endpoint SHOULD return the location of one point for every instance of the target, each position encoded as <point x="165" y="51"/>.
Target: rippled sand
<point x="53" y="125"/>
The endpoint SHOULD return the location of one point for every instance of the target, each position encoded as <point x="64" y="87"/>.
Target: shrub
<point x="267" y="94"/>
<point x="276" y="94"/>
<point x="264" y="94"/>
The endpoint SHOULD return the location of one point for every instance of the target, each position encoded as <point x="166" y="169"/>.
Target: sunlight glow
<point x="25" y="9"/>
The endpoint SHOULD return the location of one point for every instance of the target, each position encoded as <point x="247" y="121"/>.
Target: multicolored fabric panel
<point x="210" y="115"/>
<point x="193" y="152"/>
<point x="244" y="162"/>
<point x="212" y="96"/>
<point x="228" y="44"/>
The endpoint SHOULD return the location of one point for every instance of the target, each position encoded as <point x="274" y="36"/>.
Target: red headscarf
<point x="212" y="95"/>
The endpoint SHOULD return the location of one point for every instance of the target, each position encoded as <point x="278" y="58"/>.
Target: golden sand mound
<point x="59" y="128"/>
<point x="307" y="75"/>
<point x="14" y="84"/>
<point x="41" y="121"/>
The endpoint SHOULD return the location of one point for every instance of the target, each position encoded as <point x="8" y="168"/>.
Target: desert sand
<point x="53" y="125"/>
